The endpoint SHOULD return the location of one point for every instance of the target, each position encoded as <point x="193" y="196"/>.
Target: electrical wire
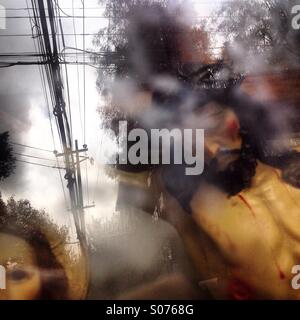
<point x="40" y="165"/>
<point x="77" y="69"/>
<point x="26" y="146"/>
<point x="99" y="152"/>
<point x="84" y="75"/>
<point x="216" y="16"/>
<point x="60" y="9"/>
<point x="34" y="157"/>
<point x="67" y="81"/>
<point x="42" y="76"/>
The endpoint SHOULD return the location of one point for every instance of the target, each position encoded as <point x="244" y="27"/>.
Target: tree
<point x="50" y="244"/>
<point x="146" y="37"/>
<point x="21" y="218"/>
<point x="131" y="45"/>
<point x="7" y="160"/>
<point x="260" y="27"/>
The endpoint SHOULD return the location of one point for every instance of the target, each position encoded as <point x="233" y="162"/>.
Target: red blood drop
<point x="238" y="290"/>
<point x="232" y="128"/>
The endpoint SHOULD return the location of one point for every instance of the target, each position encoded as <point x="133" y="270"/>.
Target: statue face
<point x="23" y="281"/>
<point x="223" y="130"/>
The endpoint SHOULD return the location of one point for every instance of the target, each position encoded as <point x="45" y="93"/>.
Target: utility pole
<point x="80" y="195"/>
<point x="77" y="206"/>
<point x="73" y="172"/>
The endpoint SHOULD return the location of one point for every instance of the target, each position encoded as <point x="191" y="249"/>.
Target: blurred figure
<point x="34" y="253"/>
<point x="32" y="272"/>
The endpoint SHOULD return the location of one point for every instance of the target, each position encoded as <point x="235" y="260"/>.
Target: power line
<point x="39" y="164"/>
<point x="32" y="54"/>
<point x="214" y="16"/>
<point x="84" y="96"/>
<point x="60" y="175"/>
<point x="84" y="70"/>
<point x="4" y="64"/>
<point x="26" y="146"/>
<point x="95" y="53"/>
<point x="34" y="157"/>
<point x="54" y="82"/>
<point x="64" y="192"/>
<point x="104" y="6"/>
<point x="106" y="34"/>
<point x="63" y="8"/>
<point x="60" y="9"/>
<point x="99" y="151"/>
<point x="42" y="76"/>
<point x="78" y="85"/>
<point x="51" y="50"/>
<point x="58" y="34"/>
<point x="67" y="80"/>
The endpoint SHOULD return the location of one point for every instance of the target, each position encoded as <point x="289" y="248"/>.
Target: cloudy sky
<point x="23" y="111"/>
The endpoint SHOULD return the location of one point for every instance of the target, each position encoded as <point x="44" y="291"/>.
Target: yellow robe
<point x="258" y="234"/>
